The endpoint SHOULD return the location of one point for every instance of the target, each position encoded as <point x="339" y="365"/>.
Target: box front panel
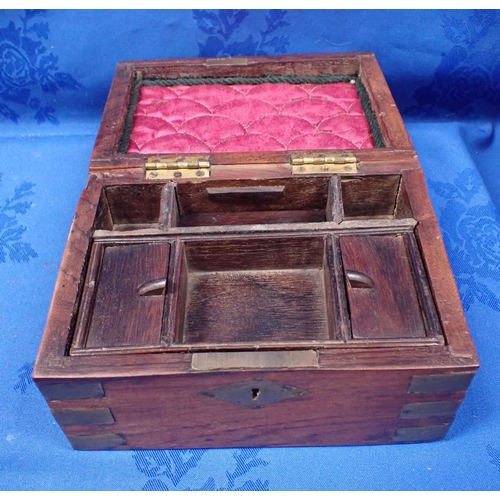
<point x="263" y="408"/>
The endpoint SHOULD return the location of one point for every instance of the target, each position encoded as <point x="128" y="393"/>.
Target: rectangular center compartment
<point x="252" y="291"/>
<point x="253" y="202"/>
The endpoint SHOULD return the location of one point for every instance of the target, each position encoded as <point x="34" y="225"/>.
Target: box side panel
<point x="259" y="408"/>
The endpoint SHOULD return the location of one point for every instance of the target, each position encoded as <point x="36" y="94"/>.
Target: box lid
<point x="305" y="112"/>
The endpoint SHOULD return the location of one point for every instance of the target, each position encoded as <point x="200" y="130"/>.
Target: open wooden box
<point x="254" y="262"/>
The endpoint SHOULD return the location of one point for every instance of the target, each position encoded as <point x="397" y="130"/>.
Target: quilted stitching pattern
<point x="239" y="118"/>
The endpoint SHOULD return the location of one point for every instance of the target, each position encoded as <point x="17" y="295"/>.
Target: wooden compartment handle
<point x="153" y="287"/>
<point x="359" y="280"/>
<point x="245" y="194"/>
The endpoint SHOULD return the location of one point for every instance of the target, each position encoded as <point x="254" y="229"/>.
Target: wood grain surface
<point x="120" y="316"/>
<point x="391" y="308"/>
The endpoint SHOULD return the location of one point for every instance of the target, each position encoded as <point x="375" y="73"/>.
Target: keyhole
<point x="255" y="393"/>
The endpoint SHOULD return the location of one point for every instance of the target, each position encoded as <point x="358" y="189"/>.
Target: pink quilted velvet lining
<point x="246" y="118"/>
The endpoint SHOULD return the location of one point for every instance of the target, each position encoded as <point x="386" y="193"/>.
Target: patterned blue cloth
<point x="443" y="68"/>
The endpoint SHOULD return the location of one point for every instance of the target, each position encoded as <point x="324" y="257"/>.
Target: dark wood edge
<point x="423" y="360"/>
<point x="88" y="296"/>
<point x="291" y="64"/>
<point x="424" y="293"/>
<point x="169" y="210"/>
<point x="64" y="304"/>
<point x="334" y="206"/>
<point x="339" y="291"/>
<point x="358" y="226"/>
<point x="114" y="114"/>
<point x="390" y="121"/>
<point x="239" y="168"/>
<point x="435" y="259"/>
<point x="172" y="321"/>
<point x="343" y="341"/>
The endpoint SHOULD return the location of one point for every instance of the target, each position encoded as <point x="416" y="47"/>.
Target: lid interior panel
<point x="275" y="113"/>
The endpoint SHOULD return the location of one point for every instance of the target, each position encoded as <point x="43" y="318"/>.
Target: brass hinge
<point x="164" y="168"/>
<point x="322" y="164"/>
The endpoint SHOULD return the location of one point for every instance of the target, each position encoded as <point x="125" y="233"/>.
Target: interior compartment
<point x="385" y="304"/>
<point x="374" y="196"/>
<point x="256" y="290"/>
<point x="129" y="206"/>
<point x="124" y="296"/>
<point x="242" y="202"/>
<point x="253" y="202"/>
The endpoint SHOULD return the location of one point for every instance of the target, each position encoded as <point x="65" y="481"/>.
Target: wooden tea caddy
<point x="269" y="298"/>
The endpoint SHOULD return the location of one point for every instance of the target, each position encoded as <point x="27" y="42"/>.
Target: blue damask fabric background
<point x="443" y="67"/>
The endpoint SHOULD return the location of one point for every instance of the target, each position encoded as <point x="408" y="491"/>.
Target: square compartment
<point x="256" y="291"/>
